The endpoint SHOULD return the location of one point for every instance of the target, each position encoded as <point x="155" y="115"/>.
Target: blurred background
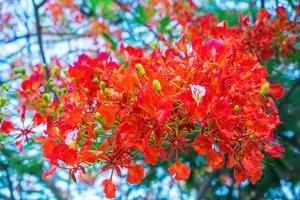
<point x="55" y="32"/>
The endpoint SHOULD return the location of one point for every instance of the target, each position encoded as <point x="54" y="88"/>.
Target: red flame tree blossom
<point x="206" y="92"/>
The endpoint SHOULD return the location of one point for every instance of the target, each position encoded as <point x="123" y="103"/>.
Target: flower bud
<point x="156" y="85"/>
<point x="51" y="85"/>
<point x="139" y="67"/>
<point x="46" y="97"/>
<point x="43" y="107"/>
<point x="3" y="101"/>
<point x="64" y="90"/>
<point x="236" y="108"/>
<point x="66" y="73"/>
<point x="51" y="113"/>
<point x="96" y="80"/>
<point x="5" y="86"/>
<point x="97" y="131"/>
<point x="55" y="69"/>
<point x="154" y="45"/>
<point x="23" y="71"/>
<point x="102" y="85"/>
<point x="264" y="88"/>
<point x="16" y="70"/>
<point x="59" y="92"/>
<point x="60" y="107"/>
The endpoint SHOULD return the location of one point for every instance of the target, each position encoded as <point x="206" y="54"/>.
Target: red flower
<point x="275" y="150"/>
<point x="109" y="188"/>
<point x="87" y="156"/>
<point x="276" y="90"/>
<point x="38" y="119"/>
<point x="66" y="154"/>
<point x="213" y="48"/>
<point x="7" y="127"/>
<point x="152" y="154"/>
<point x="239" y="175"/>
<point x="281" y="12"/>
<point x="108" y="113"/>
<point x="202" y="144"/>
<point x="215" y="159"/>
<point x="180" y="170"/>
<point x="210" y="84"/>
<point x="135" y="174"/>
<point x="255" y="176"/>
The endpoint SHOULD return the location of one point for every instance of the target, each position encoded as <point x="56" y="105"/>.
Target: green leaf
<point x="94" y="4"/>
<point x="109" y="39"/>
<point x="163" y="23"/>
<point x="97" y="3"/>
<point x="141" y="17"/>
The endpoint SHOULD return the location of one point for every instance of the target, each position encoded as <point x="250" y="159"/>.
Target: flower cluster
<point x="206" y="92"/>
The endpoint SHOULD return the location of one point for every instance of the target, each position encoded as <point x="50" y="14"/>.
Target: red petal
<point x="109" y="188"/>
<point x="20" y="146"/>
<point x="38" y="119"/>
<point x="151" y="155"/>
<point x="7" y="126"/>
<point x="87" y="145"/>
<point x="68" y="156"/>
<point x="276" y="90"/>
<point x="281" y="12"/>
<point x="239" y="175"/>
<point x="49" y="172"/>
<point x="215" y="159"/>
<point x="255" y="176"/>
<point x="48" y="147"/>
<point x="201" y="144"/>
<point x="275" y="151"/>
<point x="23" y="112"/>
<point x="88" y="156"/>
<point x="108" y="112"/>
<point x="135" y="174"/>
<point x="39" y="139"/>
<point x="180" y="170"/>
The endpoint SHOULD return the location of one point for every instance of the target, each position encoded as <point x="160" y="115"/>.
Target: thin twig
<point x="39" y="34"/>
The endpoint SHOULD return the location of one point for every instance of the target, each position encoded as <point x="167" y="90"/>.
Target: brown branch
<point x="39" y="34"/>
<point x="41" y="4"/>
<point x="262" y="3"/>
<point x="27" y="36"/>
<point x="11" y="55"/>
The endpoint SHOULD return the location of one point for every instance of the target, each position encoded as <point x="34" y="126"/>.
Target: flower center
<point x="198" y="92"/>
<point x="71" y="138"/>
